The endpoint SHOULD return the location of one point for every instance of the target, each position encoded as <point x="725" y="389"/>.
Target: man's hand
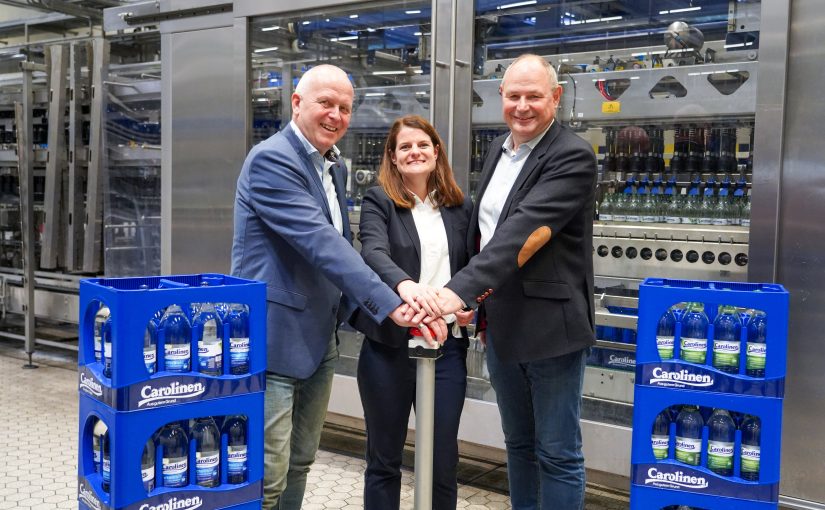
<point x="464" y="318"/>
<point x="406" y="317"/>
<point x="448" y="301"/>
<point x="419" y="297"/>
<point x="437" y="326"/>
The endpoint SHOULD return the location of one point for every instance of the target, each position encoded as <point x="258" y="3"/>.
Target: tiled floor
<point x="38" y="466"/>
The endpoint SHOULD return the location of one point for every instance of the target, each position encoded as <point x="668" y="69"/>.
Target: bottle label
<point x="649" y="219"/>
<point x="665" y="345"/>
<point x="206" y="468"/>
<point x="726" y="353"/>
<point x="107" y="469"/>
<point x="694" y="350"/>
<point x="673" y="219"/>
<point x="745" y="222"/>
<point x="150" y="357"/>
<point x="720" y="222"/>
<point x="175" y="471"/>
<point x="688" y="450"/>
<point x="619" y="217"/>
<point x="633" y="217"/>
<point x="236" y="460"/>
<point x="720" y="455"/>
<point x="209" y="356"/>
<point x="750" y="458"/>
<point x="605" y="217"/>
<point x="238" y="351"/>
<point x="755" y="355"/>
<point x="107" y="350"/>
<point x="96" y="452"/>
<point x="147" y="474"/>
<point x="177" y="357"/>
<point x="660" y="446"/>
<point x="98" y="347"/>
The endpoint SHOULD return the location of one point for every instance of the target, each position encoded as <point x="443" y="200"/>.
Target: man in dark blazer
<point x="292" y="232"/>
<point x="532" y="277"/>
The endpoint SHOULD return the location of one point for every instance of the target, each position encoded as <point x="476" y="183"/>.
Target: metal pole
<point x="424" y="417"/>
<point x="25" y="157"/>
<point x="424" y="432"/>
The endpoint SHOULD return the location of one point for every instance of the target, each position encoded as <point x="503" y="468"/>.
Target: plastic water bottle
<point x="721" y="432"/>
<point x="210" y="344"/>
<point x="98" y="432"/>
<point x="660" y="438"/>
<point x="147" y="466"/>
<point x="207" y="440"/>
<point x="689" y="435"/>
<point x="756" y="348"/>
<point x="174" y="443"/>
<point x="107" y="347"/>
<point x="150" y="346"/>
<point x="665" y="331"/>
<point x="750" y="453"/>
<point x="238" y="318"/>
<point x="694" y="340"/>
<point x="100" y="318"/>
<point x="106" y="461"/>
<point x="236" y="455"/>
<point x="223" y="310"/>
<point x="177" y="349"/>
<point x="726" y="343"/>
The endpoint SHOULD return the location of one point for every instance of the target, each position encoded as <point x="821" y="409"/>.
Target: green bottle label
<point x="726" y="354"/>
<point x="688" y="450"/>
<point x="665" y="346"/>
<point x="660" y="446"/>
<point x="750" y="459"/>
<point x="694" y="350"/>
<point x="720" y="455"/>
<point x="755" y="355"/>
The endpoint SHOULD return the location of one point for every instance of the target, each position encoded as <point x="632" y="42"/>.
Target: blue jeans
<point x="540" y="404"/>
<point x="294" y="413"/>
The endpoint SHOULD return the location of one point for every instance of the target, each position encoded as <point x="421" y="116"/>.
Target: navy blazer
<point x="284" y="236"/>
<point x="391" y="247"/>
<point x="535" y="276"/>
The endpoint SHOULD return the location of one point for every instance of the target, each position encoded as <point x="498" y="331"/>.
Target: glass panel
<point x="131" y="225"/>
<point x="384" y="47"/>
<point x="666" y="94"/>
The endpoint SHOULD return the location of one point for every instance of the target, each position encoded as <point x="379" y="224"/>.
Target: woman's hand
<point x="419" y="297"/>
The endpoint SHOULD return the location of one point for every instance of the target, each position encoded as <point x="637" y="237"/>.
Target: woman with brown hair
<point x="414" y="236"/>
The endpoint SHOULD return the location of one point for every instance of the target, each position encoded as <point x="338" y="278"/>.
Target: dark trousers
<point x="386" y="382"/>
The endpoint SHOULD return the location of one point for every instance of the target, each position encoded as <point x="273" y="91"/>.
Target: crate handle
<point x="169" y="284"/>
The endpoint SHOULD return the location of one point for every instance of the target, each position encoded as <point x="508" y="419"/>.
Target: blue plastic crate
<point x="128" y="433"/>
<point x="132" y="303"/>
<point x="653" y="499"/>
<point x="657" y="295"/>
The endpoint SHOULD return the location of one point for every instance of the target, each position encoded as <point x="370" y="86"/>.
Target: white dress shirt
<point x="322" y="166"/>
<point x="435" y="252"/>
<point x="504" y="176"/>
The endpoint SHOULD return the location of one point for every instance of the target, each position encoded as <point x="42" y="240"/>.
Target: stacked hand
<point x="427" y="306"/>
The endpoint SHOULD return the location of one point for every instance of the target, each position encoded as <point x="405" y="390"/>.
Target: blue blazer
<point x="284" y="237"/>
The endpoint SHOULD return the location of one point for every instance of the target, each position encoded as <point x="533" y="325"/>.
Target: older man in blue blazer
<point x="292" y="232"/>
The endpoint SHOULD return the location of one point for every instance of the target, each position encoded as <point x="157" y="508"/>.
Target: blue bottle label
<point x="206" y="468"/>
<point x="236" y="460"/>
<point x="150" y="357"/>
<point x="238" y="351"/>
<point x="175" y="471"/>
<point x="107" y="469"/>
<point x="210" y="356"/>
<point x="177" y="357"/>
<point x="147" y="475"/>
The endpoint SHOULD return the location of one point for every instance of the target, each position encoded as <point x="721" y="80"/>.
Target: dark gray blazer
<point x="391" y="247"/>
<point x="284" y="237"/>
<point x="535" y="276"/>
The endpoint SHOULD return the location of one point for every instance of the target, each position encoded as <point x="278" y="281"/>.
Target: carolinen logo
<point x="90" y="385"/>
<point x="175" y="504"/>
<point x="665" y="378"/>
<point x="622" y="361"/>
<point x="86" y="495"/>
<point x="677" y="479"/>
<point x="174" y="392"/>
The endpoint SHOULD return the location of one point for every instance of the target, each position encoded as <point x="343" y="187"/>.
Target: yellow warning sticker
<point x="611" y="107"/>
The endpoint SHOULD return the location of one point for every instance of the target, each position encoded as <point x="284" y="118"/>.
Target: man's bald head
<point x="322" y="105"/>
